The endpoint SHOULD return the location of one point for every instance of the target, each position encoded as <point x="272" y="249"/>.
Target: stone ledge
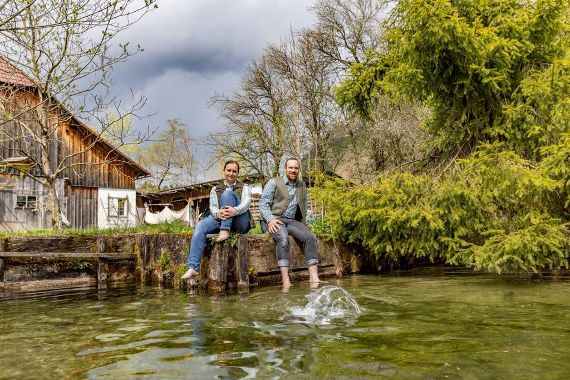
<point x="160" y="259"/>
<point x="252" y="261"/>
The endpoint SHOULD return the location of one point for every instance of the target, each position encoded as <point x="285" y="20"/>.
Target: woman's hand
<point x="226" y="212"/>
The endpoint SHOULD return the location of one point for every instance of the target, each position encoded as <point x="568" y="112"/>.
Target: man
<point x="283" y="208"/>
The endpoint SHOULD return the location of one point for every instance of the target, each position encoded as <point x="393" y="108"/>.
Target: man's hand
<point x="274" y="225"/>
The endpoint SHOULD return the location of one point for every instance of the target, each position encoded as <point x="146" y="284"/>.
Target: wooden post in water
<point x="101" y="265"/>
<point x="218" y="268"/>
<point x="241" y="269"/>
<point x="2" y="249"/>
<point x="144" y="257"/>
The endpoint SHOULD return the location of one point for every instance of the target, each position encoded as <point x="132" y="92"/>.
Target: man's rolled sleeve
<point x="266" y="200"/>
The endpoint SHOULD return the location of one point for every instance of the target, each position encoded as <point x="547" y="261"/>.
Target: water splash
<point x="329" y="303"/>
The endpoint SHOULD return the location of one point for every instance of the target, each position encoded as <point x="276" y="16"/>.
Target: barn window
<point x="118" y="207"/>
<point x="26" y="201"/>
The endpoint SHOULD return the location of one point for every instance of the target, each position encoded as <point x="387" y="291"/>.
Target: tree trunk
<point x="53" y="204"/>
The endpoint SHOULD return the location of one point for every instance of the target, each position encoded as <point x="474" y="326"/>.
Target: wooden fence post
<point x="143" y="242"/>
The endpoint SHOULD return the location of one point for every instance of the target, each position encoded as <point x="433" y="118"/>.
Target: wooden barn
<point x="97" y="186"/>
<point x="197" y="196"/>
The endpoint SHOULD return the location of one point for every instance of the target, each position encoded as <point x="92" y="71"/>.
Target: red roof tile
<point x="12" y="75"/>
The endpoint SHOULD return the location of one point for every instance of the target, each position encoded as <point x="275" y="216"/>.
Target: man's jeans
<point x="301" y="233"/>
<point x="211" y="225"/>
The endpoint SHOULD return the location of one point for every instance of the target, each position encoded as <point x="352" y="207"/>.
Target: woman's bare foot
<point x="224" y="234"/>
<point x="189" y="274"/>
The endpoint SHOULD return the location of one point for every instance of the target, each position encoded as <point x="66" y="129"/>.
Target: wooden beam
<point x="102" y="273"/>
<point x="71" y="255"/>
<point x="218" y="268"/>
<point x="241" y="269"/>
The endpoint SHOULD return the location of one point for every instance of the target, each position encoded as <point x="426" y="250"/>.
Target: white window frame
<point x="118" y="208"/>
<point x="27" y="202"/>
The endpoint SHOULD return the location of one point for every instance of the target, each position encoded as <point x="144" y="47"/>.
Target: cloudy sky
<point x="197" y="48"/>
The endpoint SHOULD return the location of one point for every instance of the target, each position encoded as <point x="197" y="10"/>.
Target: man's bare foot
<point x="189" y="274"/>
<point x="286" y="287"/>
<point x="315" y="284"/>
<point x="314" y="275"/>
<point x="285" y="277"/>
<point x="224" y="234"/>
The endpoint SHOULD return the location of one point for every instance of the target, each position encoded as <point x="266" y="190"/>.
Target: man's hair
<point x="292" y="159"/>
<point x="231" y="162"/>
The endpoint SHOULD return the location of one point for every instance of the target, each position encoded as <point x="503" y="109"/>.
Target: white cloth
<point x="168" y="215"/>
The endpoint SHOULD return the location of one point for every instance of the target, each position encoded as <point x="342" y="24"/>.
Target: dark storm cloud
<point x="194" y="49"/>
<point x="207" y="61"/>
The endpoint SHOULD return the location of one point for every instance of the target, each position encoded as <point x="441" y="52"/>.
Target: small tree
<point x="259" y="131"/>
<point x="170" y="159"/>
<point x="66" y="49"/>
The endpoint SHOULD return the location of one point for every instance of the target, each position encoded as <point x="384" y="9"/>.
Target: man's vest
<point x="281" y="199"/>
<point x="221" y="187"/>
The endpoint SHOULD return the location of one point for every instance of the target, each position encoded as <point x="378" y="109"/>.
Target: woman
<point x="229" y="209"/>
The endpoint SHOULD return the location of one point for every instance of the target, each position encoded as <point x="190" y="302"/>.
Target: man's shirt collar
<point x="287" y="182"/>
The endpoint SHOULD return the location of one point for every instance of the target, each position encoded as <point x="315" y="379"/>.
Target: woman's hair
<point x="231" y="162"/>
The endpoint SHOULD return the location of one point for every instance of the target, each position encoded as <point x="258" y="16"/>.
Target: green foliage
<point x="321" y="228"/>
<point x="488" y="70"/>
<point x="540" y="242"/>
<point x="556" y="165"/>
<point x="540" y="109"/>
<point x="81" y="264"/>
<point x="164" y="260"/>
<point x="182" y="268"/>
<point x="255" y="231"/>
<point x="175" y="227"/>
<point x="493" y="211"/>
<point x="233" y="240"/>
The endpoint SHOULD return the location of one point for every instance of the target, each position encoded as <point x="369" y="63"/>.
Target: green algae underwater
<point x="425" y="323"/>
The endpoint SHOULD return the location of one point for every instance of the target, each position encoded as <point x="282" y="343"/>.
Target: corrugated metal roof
<point x="245" y="178"/>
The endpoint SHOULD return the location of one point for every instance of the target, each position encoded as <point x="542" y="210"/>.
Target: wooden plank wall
<point x="71" y="139"/>
<point x="82" y="207"/>
<point x="104" y="169"/>
<point x="16" y="219"/>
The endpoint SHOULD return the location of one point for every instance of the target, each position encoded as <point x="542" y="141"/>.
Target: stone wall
<point x="159" y="259"/>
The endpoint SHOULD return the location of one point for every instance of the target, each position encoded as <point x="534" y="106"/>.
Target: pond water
<point x="422" y="324"/>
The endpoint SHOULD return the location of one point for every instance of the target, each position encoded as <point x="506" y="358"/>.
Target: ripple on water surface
<point x="416" y="325"/>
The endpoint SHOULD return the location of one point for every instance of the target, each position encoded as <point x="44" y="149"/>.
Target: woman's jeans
<point x="211" y="225"/>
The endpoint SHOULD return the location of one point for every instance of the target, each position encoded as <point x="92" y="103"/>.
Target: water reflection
<point x="420" y="324"/>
